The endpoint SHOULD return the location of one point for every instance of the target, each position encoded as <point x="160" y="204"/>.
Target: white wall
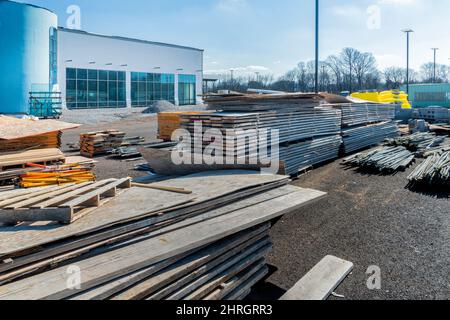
<point x="83" y="48"/>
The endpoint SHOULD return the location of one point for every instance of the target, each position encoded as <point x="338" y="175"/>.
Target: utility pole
<point x="407" y="31"/>
<point x="317" y="48"/>
<point x="434" y="64"/>
<point x="323" y="78"/>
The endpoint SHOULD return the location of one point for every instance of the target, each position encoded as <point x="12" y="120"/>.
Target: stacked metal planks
<point x="305" y="129"/>
<point x="206" y="245"/>
<point x="303" y="155"/>
<point x="354" y="114"/>
<point x="360" y="137"/>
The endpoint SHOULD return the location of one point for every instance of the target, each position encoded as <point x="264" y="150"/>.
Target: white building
<point x="98" y="71"/>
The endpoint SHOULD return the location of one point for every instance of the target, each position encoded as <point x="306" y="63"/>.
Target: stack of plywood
<point x="168" y="122"/>
<point x="22" y="134"/>
<point x="153" y="244"/>
<point x="100" y="142"/>
<point x="35" y="156"/>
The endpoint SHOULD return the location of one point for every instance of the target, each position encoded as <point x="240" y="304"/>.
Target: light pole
<point x="317" y="48"/>
<point x="407" y="31"/>
<point x="434" y="64"/>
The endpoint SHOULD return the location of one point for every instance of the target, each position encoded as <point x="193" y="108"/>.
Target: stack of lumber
<point x="261" y="102"/>
<point x="152" y="244"/>
<point x="303" y="125"/>
<point x="168" y="122"/>
<point x="22" y="158"/>
<point x="354" y="114"/>
<point x="293" y="124"/>
<point x="18" y="134"/>
<point x="66" y="174"/>
<point x="361" y="137"/>
<point x="100" y="142"/>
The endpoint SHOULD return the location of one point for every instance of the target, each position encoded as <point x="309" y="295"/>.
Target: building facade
<point x="97" y="71"/>
<point x="427" y="95"/>
<point x="91" y="71"/>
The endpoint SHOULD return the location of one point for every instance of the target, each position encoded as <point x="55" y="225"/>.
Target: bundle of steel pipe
<point x="420" y="141"/>
<point x="386" y="159"/>
<point x="357" y="138"/>
<point x="354" y="114"/>
<point x="435" y="170"/>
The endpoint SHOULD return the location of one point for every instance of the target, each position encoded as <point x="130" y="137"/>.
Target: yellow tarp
<point x="391" y="96"/>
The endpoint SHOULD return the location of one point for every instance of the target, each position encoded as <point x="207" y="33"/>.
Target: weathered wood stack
<point x="168" y="122"/>
<point x="154" y="244"/>
<point x="305" y="127"/>
<point x="21" y="158"/>
<point x="18" y="134"/>
<point x="100" y="142"/>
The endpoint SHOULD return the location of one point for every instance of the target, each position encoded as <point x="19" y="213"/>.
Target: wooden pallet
<point x="64" y="204"/>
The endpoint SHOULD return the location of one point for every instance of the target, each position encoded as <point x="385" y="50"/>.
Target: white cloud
<point x="399" y="2"/>
<point x="347" y="11"/>
<point x="231" y="6"/>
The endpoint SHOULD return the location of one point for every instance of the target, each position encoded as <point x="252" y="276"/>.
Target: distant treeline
<point x="350" y="70"/>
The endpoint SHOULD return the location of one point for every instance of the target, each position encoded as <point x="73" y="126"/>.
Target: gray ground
<point x="366" y="219"/>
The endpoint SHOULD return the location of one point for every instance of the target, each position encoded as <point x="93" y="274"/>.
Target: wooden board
<point x="153" y="227"/>
<point x="13" y="128"/>
<point x="102" y="268"/>
<point x="152" y="281"/>
<point x="321" y="281"/>
<point x="63" y="204"/>
<point x="134" y="205"/>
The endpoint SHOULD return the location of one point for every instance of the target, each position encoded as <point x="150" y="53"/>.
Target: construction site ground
<point x="370" y="220"/>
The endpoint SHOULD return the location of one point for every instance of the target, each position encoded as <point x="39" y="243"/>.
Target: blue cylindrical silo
<point x="24" y="52"/>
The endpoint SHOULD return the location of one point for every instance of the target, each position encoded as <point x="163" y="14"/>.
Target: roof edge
<point x="129" y="39"/>
<point x="29" y="5"/>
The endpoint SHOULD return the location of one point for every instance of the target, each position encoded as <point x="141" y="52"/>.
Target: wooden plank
<point x="182" y="265"/>
<point x="245" y="262"/>
<point x="244" y="289"/>
<point x="62" y="189"/>
<point x="102" y="268"/>
<point x="163" y="188"/>
<point x="25" y="196"/>
<point x="80" y="190"/>
<point x="183" y="274"/>
<point x="150" y="228"/>
<point x="321" y="281"/>
<point x="86" y="198"/>
<point x="206" y="189"/>
<point x="230" y="285"/>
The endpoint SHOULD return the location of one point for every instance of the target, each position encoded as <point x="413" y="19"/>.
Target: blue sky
<point x="271" y="36"/>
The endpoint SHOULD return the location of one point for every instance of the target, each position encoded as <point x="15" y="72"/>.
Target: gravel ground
<point x="369" y="220"/>
<point x="366" y="219"/>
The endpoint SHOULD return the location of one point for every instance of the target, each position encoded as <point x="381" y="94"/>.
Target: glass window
<point x="112" y="75"/>
<point x="71" y="73"/>
<point x="82" y="74"/>
<point x="147" y="88"/>
<point x="89" y="88"/>
<point x="92" y="74"/>
<point x="186" y="89"/>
